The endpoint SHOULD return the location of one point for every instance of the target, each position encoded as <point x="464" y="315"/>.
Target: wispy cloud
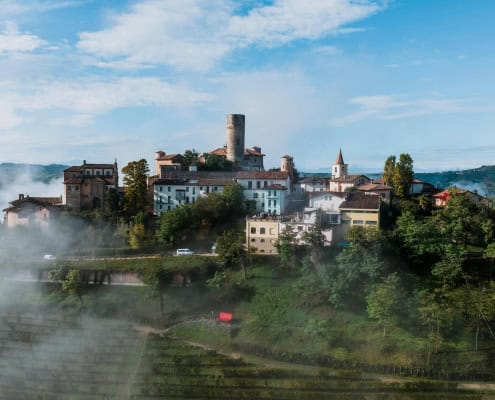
<point x="388" y="107"/>
<point x="13" y="41"/>
<point x="194" y="34"/>
<point x="87" y="98"/>
<point x="11" y="8"/>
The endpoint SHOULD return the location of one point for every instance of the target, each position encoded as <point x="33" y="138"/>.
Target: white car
<point x="49" y="257"/>
<point x="184" y="252"/>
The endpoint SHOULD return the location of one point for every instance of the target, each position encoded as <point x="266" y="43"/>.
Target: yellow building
<point x="262" y="234"/>
<point x="360" y="209"/>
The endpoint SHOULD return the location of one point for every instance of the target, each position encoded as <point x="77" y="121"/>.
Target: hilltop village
<point x="384" y="274"/>
<point x="279" y="198"/>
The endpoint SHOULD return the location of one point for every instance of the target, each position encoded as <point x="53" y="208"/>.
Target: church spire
<point x="340" y="159"/>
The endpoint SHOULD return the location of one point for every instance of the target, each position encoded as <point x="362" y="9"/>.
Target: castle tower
<point x="235" y="137"/>
<point x="158" y="156"/>
<point x="287" y="165"/>
<point x="339" y="169"/>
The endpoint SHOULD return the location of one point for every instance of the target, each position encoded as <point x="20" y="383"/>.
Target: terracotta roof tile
<point x="361" y="201"/>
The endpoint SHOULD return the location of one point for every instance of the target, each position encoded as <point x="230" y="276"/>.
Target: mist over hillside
<point x="481" y="179"/>
<point x="29" y="179"/>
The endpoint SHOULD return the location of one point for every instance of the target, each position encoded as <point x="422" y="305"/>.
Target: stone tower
<point x="235" y="137"/>
<point x="339" y="169"/>
<point x="287" y="165"/>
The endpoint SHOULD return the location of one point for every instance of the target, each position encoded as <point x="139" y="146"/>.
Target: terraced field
<point x="47" y="357"/>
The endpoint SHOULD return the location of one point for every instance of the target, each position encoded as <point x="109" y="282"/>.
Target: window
<point x="97" y="173"/>
<point x="187" y="188"/>
<point x="168" y="199"/>
<point x="168" y="189"/>
<point x="201" y="188"/>
<point x="253" y="229"/>
<point x="370" y="222"/>
<point x="180" y="195"/>
<point x="269" y="203"/>
<point x="253" y="240"/>
<point x="108" y="173"/>
<point x="168" y="208"/>
<point x="262" y="231"/>
<point x="77" y="188"/>
<point x="216" y="188"/>
<point x="300" y="228"/>
<point x="160" y="206"/>
<point x="262" y="240"/>
<point x="69" y="188"/>
<point x="332" y="218"/>
<point x="160" y="188"/>
<point x="258" y="185"/>
<point x="255" y="195"/>
<point x="357" y="222"/>
<point x="274" y="203"/>
<point x="194" y="190"/>
<point x="265" y="184"/>
<point x="87" y="172"/>
<point x="250" y="184"/>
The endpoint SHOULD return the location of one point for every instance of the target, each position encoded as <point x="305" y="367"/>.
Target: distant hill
<point x="10" y="172"/>
<point x="481" y="179"/>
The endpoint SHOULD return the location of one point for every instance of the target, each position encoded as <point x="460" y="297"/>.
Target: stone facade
<point x="85" y="186"/>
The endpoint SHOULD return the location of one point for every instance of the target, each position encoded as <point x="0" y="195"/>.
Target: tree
<point x="315" y="240"/>
<point x="214" y="162"/>
<point x="389" y="171"/>
<point x="190" y="158"/>
<point x="172" y="223"/>
<point x="233" y="200"/>
<point x="157" y="279"/>
<point x="403" y="176"/>
<point x="136" y="189"/>
<point x="230" y="249"/>
<point x="384" y="300"/>
<point x="399" y="174"/>
<point x="286" y="247"/>
<point x="72" y="284"/>
<point x="111" y="205"/>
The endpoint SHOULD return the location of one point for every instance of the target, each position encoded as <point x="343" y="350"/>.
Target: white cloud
<point x="194" y="34"/>
<point x="17" y="7"/>
<point x="87" y="98"/>
<point x="12" y="41"/>
<point x="397" y="107"/>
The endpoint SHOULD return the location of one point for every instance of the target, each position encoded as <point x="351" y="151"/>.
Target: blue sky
<point x="100" y="79"/>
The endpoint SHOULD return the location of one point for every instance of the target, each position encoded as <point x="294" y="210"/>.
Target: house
<point x="252" y="159"/>
<point x="269" y="190"/>
<point x="85" y="186"/>
<point x="442" y="198"/>
<point x="262" y="233"/>
<point x="341" y="181"/>
<point x="170" y="162"/>
<point x="378" y="189"/>
<point x="329" y="205"/>
<point x="31" y="212"/>
<point x="419" y="187"/>
<point x="314" y="184"/>
<point x="360" y="209"/>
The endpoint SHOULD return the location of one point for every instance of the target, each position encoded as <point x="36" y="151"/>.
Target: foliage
<point x="230" y="248"/>
<point x="72" y="284"/>
<point x="315" y="241"/>
<point x="214" y="162"/>
<point x="190" y="158"/>
<point x="211" y="210"/>
<point x="136" y="189"/>
<point x="285" y="246"/>
<point x="384" y="300"/>
<point x="111" y="205"/>
<point x="399" y="174"/>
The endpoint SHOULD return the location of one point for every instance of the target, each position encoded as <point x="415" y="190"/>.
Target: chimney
<point x="84" y="162"/>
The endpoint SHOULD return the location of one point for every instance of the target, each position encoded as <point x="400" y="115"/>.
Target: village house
<point x="313" y="184"/>
<point x="442" y="198"/>
<point x="85" y="186"/>
<point x="32" y="212"/>
<point x="269" y="190"/>
<point x="360" y="209"/>
<point x="378" y="189"/>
